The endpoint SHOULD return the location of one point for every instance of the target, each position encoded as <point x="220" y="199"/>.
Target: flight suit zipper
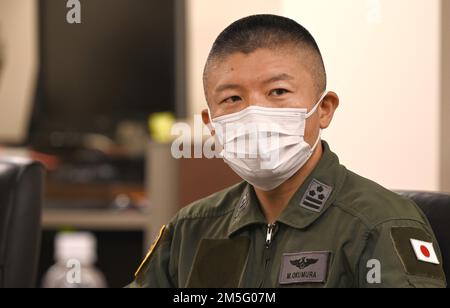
<point x="269" y="234"/>
<point x="268" y="251"/>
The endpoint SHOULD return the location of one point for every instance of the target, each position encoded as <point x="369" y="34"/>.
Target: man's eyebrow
<point x="227" y="86"/>
<point x="230" y="86"/>
<point x="281" y="77"/>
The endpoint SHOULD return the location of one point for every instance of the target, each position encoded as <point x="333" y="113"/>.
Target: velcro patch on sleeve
<point x="416" y="250"/>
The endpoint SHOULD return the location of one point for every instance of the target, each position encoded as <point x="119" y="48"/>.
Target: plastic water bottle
<point x="75" y="256"/>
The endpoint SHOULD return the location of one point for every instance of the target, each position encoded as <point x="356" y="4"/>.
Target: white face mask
<point x="265" y="146"/>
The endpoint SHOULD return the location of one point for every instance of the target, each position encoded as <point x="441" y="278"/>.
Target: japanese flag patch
<point x="424" y="251"/>
<point x="417" y="251"/>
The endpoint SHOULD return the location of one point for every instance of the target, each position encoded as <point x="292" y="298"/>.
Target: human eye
<point x="278" y="92"/>
<point x="232" y="99"/>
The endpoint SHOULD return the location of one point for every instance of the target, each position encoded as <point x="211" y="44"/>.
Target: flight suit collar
<point x="247" y="211"/>
<point x="310" y="201"/>
<point x="317" y="193"/>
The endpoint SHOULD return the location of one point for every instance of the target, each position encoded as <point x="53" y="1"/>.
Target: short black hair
<point x="269" y="31"/>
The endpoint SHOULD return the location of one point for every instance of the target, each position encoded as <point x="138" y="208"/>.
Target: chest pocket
<point x="219" y="263"/>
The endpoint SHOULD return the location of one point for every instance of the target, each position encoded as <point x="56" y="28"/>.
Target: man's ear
<point x="205" y="117"/>
<point x="326" y="110"/>
<point x="207" y="121"/>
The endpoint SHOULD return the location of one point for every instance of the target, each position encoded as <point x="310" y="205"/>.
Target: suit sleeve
<point x="389" y="258"/>
<point x="154" y="271"/>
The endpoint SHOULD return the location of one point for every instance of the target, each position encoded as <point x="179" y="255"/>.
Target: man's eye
<point x="278" y="92"/>
<point x="232" y="99"/>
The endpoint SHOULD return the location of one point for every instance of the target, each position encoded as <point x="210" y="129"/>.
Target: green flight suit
<point x="338" y="230"/>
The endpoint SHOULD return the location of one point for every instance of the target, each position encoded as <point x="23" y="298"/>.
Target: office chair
<point x="21" y="191"/>
<point x="436" y="206"/>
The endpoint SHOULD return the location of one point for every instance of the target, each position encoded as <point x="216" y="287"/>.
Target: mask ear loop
<point x="317" y="141"/>
<point x="309" y="114"/>
<point x="210" y="125"/>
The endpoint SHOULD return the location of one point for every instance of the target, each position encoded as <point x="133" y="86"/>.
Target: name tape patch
<point x="304" y="267"/>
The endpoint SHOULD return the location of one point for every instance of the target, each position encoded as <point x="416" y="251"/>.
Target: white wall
<point x="382" y="58"/>
<point x="18" y="32"/>
<point x="206" y="19"/>
<point x="445" y="107"/>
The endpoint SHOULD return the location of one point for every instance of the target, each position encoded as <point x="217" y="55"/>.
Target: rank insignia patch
<point x="316" y="196"/>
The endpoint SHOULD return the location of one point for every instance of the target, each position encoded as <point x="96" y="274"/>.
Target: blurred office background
<point x="78" y="98"/>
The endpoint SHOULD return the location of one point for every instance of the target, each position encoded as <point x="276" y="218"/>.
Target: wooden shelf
<point x="98" y="220"/>
<point x="95" y="219"/>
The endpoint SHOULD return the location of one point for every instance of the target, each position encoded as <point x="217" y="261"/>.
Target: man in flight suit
<point x="306" y="221"/>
